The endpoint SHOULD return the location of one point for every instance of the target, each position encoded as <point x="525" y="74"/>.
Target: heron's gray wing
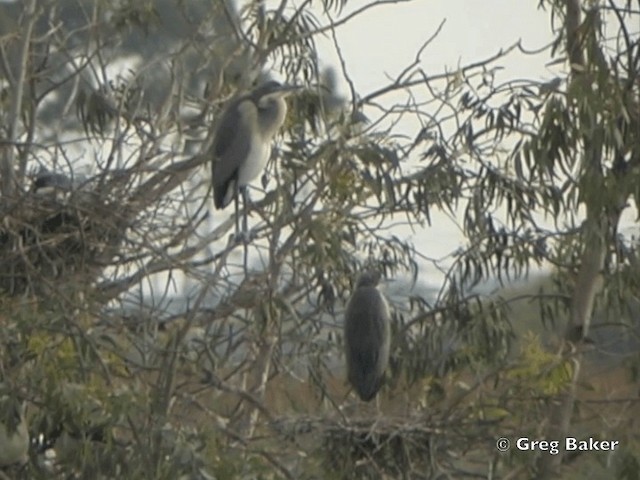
<point x="367" y="338"/>
<point x="230" y="147"/>
<point x="363" y="358"/>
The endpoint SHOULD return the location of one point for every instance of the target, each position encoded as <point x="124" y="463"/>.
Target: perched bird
<point x="242" y="143"/>
<point x="367" y="336"/>
<point x="48" y="180"/>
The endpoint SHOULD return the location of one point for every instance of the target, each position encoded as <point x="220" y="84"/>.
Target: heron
<point x="367" y="336"/>
<point x="45" y="181"/>
<point x="242" y="142"/>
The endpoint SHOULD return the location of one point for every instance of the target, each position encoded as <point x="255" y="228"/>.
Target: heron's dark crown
<point x="267" y="88"/>
<point x="369" y="278"/>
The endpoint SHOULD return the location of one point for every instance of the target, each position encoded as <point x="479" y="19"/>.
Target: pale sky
<point x="386" y="38"/>
<point x="381" y="42"/>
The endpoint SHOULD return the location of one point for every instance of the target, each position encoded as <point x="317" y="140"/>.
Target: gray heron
<point x="242" y="143"/>
<point x="367" y="336"/>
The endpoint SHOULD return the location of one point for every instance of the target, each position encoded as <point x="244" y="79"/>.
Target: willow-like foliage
<point x="143" y="349"/>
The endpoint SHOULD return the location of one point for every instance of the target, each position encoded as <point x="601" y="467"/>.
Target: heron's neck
<point x="271" y="119"/>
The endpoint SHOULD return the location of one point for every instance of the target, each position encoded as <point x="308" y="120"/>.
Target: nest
<point x="46" y="236"/>
<point x="370" y="448"/>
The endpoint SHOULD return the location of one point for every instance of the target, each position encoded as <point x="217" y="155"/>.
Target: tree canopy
<point x="141" y="347"/>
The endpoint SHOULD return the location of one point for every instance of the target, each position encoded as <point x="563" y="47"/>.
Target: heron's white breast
<point x="257" y="159"/>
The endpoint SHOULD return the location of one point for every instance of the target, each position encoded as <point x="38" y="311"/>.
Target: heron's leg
<point x="245" y="229"/>
<point x="237" y="201"/>
<point x="241" y="235"/>
<point x="245" y="205"/>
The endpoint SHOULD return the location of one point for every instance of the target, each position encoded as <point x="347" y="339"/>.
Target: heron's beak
<point x="289" y="89"/>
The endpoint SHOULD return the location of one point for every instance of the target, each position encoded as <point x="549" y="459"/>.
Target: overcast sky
<point x="385" y="39"/>
<point x="381" y="42"/>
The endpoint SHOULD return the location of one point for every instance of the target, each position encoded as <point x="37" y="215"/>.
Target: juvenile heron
<point x="45" y="180"/>
<point x="367" y="336"/>
<point x="242" y="143"/>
